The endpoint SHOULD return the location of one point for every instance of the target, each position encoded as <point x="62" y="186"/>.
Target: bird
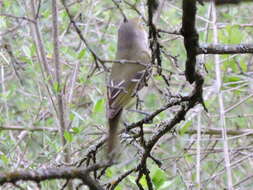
<point x="129" y="77"/>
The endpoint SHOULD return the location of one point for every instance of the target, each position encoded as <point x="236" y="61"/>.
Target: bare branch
<point x="59" y="90"/>
<point x="39" y="175"/>
<point x="18" y="17"/>
<point x="225" y="49"/>
<point x="222" y="2"/>
<point x="190" y="38"/>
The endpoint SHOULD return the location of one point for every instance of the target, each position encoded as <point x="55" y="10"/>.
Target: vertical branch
<point x="3" y="91"/>
<point x="190" y="38"/>
<point x="59" y="91"/>
<point x="40" y="45"/>
<point x="36" y="35"/>
<point x="153" y="35"/>
<point x="221" y="103"/>
<point x="198" y="157"/>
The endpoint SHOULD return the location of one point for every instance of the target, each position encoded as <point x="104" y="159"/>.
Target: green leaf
<point x="158" y="176"/>
<point x="166" y="184"/>
<point x="131" y="179"/>
<point x="56" y="87"/>
<point x="232" y="79"/>
<point x="109" y="172"/>
<point x="68" y="136"/>
<point x="231" y="35"/>
<point x="4" y="158"/>
<point x="99" y="106"/>
<point x="82" y="53"/>
<point x="71" y="116"/>
<point x="188" y="158"/>
<point x="118" y="187"/>
<point x="185" y="127"/>
<point x="158" y="77"/>
<point x="6" y="4"/>
<point x="76" y="130"/>
<point x="46" y="13"/>
<point x="143" y="181"/>
<point x="49" y="121"/>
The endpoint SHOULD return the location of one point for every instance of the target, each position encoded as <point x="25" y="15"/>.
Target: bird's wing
<point x="121" y="90"/>
<point x="119" y="93"/>
<point x="118" y="96"/>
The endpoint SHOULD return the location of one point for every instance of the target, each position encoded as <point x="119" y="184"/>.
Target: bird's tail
<point x="112" y="137"/>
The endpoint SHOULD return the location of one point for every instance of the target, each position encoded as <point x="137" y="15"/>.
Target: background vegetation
<point x="30" y="90"/>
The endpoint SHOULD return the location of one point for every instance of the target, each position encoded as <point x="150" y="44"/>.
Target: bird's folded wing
<point x="120" y="92"/>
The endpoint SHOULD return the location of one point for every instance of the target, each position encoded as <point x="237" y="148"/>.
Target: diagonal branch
<point x="79" y="32"/>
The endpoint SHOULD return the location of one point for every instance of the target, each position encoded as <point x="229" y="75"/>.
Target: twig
<point x="40" y="46"/>
<point x="172" y="102"/>
<point x="17" y="17"/>
<point x="79" y="32"/>
<point x="120" y="10"/>
<point x="113" y="184"/>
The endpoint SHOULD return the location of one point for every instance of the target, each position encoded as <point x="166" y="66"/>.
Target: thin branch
<point x="33" y="129"/>
<point x="225" y="49"/>
<point x="172" y="102"/>
<point x="14" y="62"/>
<point x="79" y="32"/>
<point x="209" y="131"/>
<point x="18" y="17"/>
<point x="59" y="90"/>
<point x="198" y="157"/>
<point x="238" y="103"/>
<point x="222" y="2"/>
<point x="217" y="131"/>
<point x="221" y="104"/>
<point x="114" y="183"/>
<point x="120" y="10"/>
<point x="41" y="54"/>
<point x="40" y="46"/>
<point x="243" y="180"/>
<point x="133" y="6"/>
